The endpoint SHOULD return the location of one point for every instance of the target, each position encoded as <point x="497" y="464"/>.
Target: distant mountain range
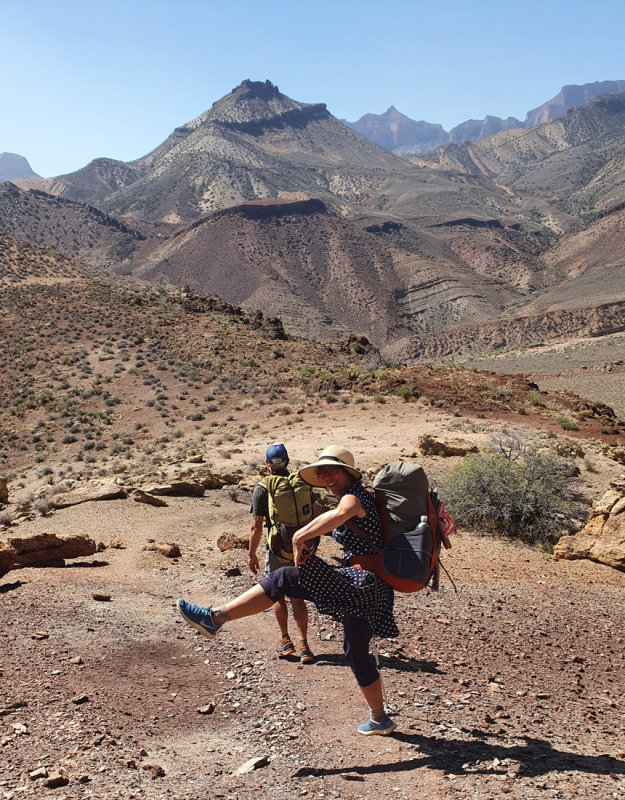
<point x="277" y="206"/>
<point x="401" y="135"/>
<point x="13" y="167"/>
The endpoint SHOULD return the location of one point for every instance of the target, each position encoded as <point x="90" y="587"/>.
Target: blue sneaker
<point x="383" y="728"/>
<point x="199" y="617"/>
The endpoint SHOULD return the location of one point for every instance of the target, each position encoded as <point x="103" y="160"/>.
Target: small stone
<point x="352" y="776"/>
<point x="154" y="770"/>
<point x="40" y="772"/>
<point x="79" y="699"/>
<point x="56" y="779"/>
<point x="103" y="598"/>
<point x="206" y="709"/>
<point x="251" y="765"/>
<point x="115" y="544"/>
<point x="233" y="572"/>
<point x="39" y="635"/>
<point x="76" y="660"/>
<point x="167" y="549"/>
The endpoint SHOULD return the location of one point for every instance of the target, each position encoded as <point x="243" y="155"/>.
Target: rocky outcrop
<point x="180" y="488"/>
<point x="522" y="331"/>
<point x="143" y="497"/>
<point x="43" y="550"/>
<point x="229" y="541"/>
<point x="4" y="491"/>
<point x="603" y="538"/>
<point x="431" y="447"/>
<point x="615" y="452"/>
<point x="89" y="493"/>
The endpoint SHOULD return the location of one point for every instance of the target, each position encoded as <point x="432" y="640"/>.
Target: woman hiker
<point x="354" y="596"/>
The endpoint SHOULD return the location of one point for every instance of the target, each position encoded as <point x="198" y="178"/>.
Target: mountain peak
<point x="14" y="166"/>
<point x="256" y="90"/>
<point x="249" y="102"/>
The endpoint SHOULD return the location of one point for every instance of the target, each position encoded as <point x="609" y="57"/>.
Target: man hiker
<point x="284" y="503"/>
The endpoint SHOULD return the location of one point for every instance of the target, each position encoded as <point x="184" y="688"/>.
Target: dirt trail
<point x="513" y="686"/>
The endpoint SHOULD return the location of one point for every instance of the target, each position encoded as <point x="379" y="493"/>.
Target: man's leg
<point x="300" y="617"/>
<point x="281" y="610"/>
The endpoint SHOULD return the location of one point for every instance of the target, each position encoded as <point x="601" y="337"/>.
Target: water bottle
<point x="424" y="526"/>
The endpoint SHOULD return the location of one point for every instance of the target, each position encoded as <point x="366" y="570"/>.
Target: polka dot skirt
<point x="348" y="591"/>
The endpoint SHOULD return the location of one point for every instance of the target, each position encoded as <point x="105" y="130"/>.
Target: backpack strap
<point x="353" y="526"/>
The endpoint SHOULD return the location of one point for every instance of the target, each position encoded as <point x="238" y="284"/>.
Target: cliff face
<point x="569" y="97"/>
<point x="13" y="166"/>
<point x="401" y="135"/>
<point x="520" y="332"/>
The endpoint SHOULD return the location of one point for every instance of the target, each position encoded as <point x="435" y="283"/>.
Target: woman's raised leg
<point x="208" y="620"/>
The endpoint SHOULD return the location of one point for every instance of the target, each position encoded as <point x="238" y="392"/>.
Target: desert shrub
<point x="42" y="505"/>
<point x="405" y="392"/>
<point x="534" y="398"/>
<point x="567" y="423"/>
<point x="514" y="491"/>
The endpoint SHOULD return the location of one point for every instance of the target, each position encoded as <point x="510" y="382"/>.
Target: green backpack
<point x="290" y="508"/>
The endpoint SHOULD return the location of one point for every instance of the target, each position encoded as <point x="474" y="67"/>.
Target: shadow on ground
<point x="399" y="663"/>
<point x="458" y="757"/>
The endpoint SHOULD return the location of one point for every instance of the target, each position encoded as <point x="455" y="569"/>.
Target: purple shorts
<point x="284" y="582"/>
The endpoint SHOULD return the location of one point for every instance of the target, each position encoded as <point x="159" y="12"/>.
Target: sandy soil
<point x="512" y="686"/>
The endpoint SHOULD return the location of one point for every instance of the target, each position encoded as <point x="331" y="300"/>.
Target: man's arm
<point x="256" y="532"/>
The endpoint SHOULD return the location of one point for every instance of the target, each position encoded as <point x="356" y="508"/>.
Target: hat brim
<point x="309" y="473"/>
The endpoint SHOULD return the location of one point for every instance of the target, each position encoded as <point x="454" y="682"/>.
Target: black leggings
<point x="284" y="582"/>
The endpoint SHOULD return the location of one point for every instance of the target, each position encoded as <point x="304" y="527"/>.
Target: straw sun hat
<point x="332" y="456"/>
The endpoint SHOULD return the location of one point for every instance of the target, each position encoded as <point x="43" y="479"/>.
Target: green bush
<point x="516" y="492"/>
<point x="567" y="423"/>
<point x="405" y="392"/>
<point x="535" y="399"/>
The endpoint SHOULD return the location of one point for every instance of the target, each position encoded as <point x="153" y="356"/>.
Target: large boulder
<point x="89" y="493"/>
<point x="603" y="538"/>
<point x="42" y="550"/>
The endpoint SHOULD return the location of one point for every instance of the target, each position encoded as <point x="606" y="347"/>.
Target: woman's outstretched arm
<point x="348" y="507"/>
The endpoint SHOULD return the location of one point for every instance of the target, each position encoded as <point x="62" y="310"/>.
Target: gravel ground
<point x="513" y="686"/>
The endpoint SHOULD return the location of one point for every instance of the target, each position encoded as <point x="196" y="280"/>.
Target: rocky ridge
<point x="467" y="236"/>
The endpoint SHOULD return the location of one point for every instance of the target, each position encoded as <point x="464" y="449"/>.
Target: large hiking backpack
<point x="290" y="508"/>
<point x="415" y="526"/>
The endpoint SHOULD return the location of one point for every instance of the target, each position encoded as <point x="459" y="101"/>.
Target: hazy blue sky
<point x="83" y="79"/>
